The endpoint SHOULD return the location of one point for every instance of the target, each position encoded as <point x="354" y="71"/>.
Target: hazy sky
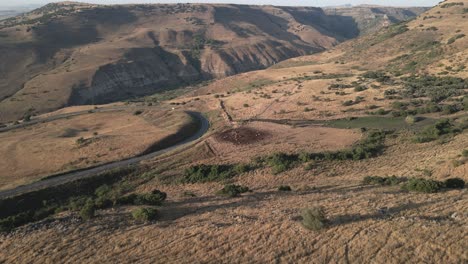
<point x="259" y="2"/>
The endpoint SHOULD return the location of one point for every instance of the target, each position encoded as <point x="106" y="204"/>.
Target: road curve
<point x="85" y="173"/>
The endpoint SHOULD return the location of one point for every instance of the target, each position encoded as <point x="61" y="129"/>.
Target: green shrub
<point x="314" y="218"/>
<point x="465" y="153"/>
<point x="280" y="162"/>
<point x="454" y="183"/>
<point x="436" y="88"/>
<point x="433" y="132"/>
<point x="449" y="109"/>
<point x="102" y="190"/>
<point x="465" y="103"/>
<point x="284" y="188"/>
<point x="232" y="190"/>
<point x="208" y="173"/>
<point x="145" y="214"/>
<point x="360" y="88"/>
<point x="88" y="211"/>
<point x="454" y="38"/>
<point x="155" y="197"/>
<point x="378" y="76"/>
<point x="422" y="185"/>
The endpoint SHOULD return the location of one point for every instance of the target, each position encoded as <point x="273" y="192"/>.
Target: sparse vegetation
<point x="436" y="88"/>
<point x="422" y="185"/>
<point x="145" y="214"/>
<point x="88" y="210"/>
<point x="454" y="38"/>
<point x="207" y="173"/>
<point x="433" y="132"/>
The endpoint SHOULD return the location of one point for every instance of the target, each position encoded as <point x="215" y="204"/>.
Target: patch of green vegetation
<point x="232" y="190"/>
<point x="436" y="131"/>
<point x="422" y="185"/>
<point x="465" y="153"/>
<point x="369" y="147"/>
<point x="155" y="197"/>
<point x="88" y="211"/>
<point x="314" y="218"/>
<point x="82" y="196"/>
<point x="360" y="88"/>
<point x="259" y="83"/>
<point x="454" y="38"/>
<point x="415" y="184"/>
<point x="379" y="76"/>
<point x="209" y="173"/>
<point x="436" y="88"/>
<point x="390" y="32"/>
<point x="280" y="162"/>
<point x="145" y="214"/>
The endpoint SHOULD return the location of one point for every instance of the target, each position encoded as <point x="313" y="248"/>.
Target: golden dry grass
<point x="43" y="149"/>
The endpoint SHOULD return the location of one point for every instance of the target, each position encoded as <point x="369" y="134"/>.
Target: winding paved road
<point x="90" y="172"/>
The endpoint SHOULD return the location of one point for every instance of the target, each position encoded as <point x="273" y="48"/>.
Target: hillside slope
<point x="70" y="53"/>
<point x="371" y="19"/>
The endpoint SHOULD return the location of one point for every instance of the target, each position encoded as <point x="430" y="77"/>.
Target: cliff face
<point x="69" y="53"/>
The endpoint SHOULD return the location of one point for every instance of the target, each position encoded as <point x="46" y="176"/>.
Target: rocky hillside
<point x="371" y="19"/>
<point x="70" y="53"/>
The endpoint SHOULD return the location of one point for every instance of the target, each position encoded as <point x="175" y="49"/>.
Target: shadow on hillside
<point x="173" y="210"/>
<point x="381" y="213"/>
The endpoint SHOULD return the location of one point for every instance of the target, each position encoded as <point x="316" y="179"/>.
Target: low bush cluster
<point x="436" y="88"/>
<point x="208" y="173"/>
<point x="155" y="197"/>
<point x="416" y="184"/>
<point x="433" y="132"/>
<point x="145" y="214"/>
<point x="422" y="185"/>
<point x="371" y="146"/>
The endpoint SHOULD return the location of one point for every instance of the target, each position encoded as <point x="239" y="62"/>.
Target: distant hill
<point x="71" y="53"/>
<point x="371" y="19"/>
<point x="434" y="42"/>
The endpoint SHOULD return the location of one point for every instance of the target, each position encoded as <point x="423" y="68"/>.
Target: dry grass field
<point x="43" y="149"/>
